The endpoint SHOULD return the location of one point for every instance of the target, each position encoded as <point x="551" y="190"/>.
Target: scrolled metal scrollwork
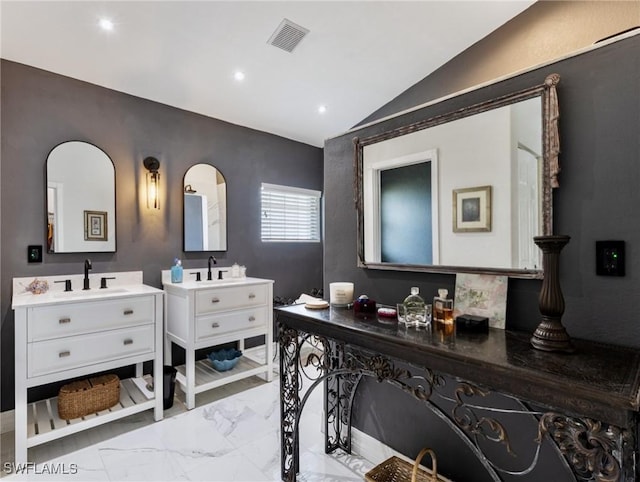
<point x="318" y="358"/>
<point x="383" y="369"/>
<point x="380" y="366"/>
<point x="589" y="445"/>
<point x="289" y="398"/>
<point x="467" y="419"/>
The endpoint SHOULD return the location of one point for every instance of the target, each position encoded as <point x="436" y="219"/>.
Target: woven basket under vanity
<point x="395" y="469"/>
<point x="77" y="399"/>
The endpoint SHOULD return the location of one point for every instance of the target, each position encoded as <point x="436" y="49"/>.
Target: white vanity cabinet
<point x="204" y="314"/>
<point x="67" y="335"/>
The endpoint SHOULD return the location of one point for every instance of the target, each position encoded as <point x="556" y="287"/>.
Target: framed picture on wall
<point x="472" y="209"/>
<point x="95" y="225"/>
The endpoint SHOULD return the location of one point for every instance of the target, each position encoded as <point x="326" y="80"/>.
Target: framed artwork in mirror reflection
<point x="95" y="225"/>
<point x="472" y="209"/>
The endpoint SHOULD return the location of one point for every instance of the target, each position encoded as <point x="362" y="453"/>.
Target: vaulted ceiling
<point x="355" y="57"/>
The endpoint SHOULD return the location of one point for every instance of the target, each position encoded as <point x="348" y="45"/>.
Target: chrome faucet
<point x="87" y="267"/>
<point x="213" y="260"/>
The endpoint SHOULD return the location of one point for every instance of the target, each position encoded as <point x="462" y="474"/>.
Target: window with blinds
<point x="290" y="213"/>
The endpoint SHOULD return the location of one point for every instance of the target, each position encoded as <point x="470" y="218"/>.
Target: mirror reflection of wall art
<point x="95" y="225"/>
<point x="472" y="209"/>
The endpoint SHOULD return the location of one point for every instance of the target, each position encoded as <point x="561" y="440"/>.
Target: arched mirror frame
<point x="184" y="228"/>
<point x="110" y="224"/>
<point x="551" y="169"/>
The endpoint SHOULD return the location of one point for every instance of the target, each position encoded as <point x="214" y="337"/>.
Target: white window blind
<point x="290" y="213"/>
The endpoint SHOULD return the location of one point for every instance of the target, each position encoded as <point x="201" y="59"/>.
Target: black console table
<point x="586" y="403"/>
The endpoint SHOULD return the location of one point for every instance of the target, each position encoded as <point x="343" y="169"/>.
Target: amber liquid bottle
<point x="443" y="325"/>
<point x="442" y="307"/>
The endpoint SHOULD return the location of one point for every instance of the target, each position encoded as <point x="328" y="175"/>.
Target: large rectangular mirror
<point x="461" y="192"/>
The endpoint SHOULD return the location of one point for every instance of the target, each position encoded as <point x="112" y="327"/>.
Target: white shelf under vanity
<point x="205" y="314"/>
<point x="62" y="335"/>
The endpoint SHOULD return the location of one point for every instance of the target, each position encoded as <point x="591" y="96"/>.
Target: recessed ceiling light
<point x="322" y="109"/>
<point x="239" y="76"/>
<point x="106" y="24"/>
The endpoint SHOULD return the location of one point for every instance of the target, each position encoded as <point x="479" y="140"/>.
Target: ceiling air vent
<point x="287" y="36"/>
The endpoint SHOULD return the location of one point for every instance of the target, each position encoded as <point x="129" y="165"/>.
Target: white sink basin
<point x="219" y="281"/>
<point x="88" y="293"/>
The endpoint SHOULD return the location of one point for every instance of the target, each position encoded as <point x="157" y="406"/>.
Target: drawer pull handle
<point x="128" y="341"/>
<point x="215" y="325"/>
<point x="128" y="312"/>
<point x="215" y="300"/>
<point x="62" y="321"/>
<point x="63" y="354"/>
<point x="252" y="318"/>
<point x="251" y="296"/>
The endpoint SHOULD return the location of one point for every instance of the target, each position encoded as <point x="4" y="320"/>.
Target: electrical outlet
<point x="34" y="254"/>
<point x="610" y="258"/>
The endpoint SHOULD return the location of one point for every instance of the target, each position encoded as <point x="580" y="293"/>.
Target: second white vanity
<point x="203" y="314"/>
<point x="62" y="335"/>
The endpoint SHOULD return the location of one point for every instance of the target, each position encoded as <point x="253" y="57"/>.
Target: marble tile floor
<point x="231" y="435"/>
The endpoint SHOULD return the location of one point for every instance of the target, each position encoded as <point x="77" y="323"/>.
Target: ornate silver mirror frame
<point x="549" y="175"/>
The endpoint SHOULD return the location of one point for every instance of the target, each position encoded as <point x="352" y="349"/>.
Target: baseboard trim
<point x="370" y="448"/>
<point x="7" y="420"/>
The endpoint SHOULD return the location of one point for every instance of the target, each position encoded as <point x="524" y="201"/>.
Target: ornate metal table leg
<point x="289" y="402"/>
<point x="331" y="400"/>
<point x="338" y="400"/>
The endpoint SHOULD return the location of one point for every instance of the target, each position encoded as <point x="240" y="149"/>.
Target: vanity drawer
<point x="56" y="355"/>
<point x="218" y="299"/>
<point x="210" y="326"/>
<point x="70" y="319"/>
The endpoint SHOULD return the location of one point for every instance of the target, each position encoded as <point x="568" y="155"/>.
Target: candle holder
<point x="550" y="334"/>
<point x="341" y="294"/>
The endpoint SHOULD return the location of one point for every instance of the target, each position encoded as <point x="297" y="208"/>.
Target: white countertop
<point x="197" y="285"/>
<point x="125" y="284"/>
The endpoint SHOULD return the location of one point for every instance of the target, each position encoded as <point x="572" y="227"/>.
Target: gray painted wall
<point x="597" y="199"/>
<point x="41" y="109"/>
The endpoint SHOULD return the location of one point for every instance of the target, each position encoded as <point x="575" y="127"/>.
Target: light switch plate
<point x="610" y="258"/>
<point x="34" y="253"/>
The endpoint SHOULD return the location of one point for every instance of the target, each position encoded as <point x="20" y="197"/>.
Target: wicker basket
<point x="395" y="469"/>
<point x="83" y="397"/>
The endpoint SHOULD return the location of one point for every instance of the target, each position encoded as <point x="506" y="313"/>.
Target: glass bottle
<point x="443" y="307"/>
<point x="414" y="308"/>
<point x="438" y="305"/>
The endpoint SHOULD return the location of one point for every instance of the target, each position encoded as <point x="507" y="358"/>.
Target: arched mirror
<point x="205" y="209"/>
<point x="81" y="199"/>
<point x="461" y="192"/>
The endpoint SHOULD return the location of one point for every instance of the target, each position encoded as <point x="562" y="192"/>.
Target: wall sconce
<point x="153" y="181"/>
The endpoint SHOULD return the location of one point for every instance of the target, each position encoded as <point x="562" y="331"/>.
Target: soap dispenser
<point x="176" y="271"/>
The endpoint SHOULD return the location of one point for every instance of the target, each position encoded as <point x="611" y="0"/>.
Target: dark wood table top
<point x="598" y="381"/>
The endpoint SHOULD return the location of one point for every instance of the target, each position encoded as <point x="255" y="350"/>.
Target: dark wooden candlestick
<point x="550" y="334"/>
